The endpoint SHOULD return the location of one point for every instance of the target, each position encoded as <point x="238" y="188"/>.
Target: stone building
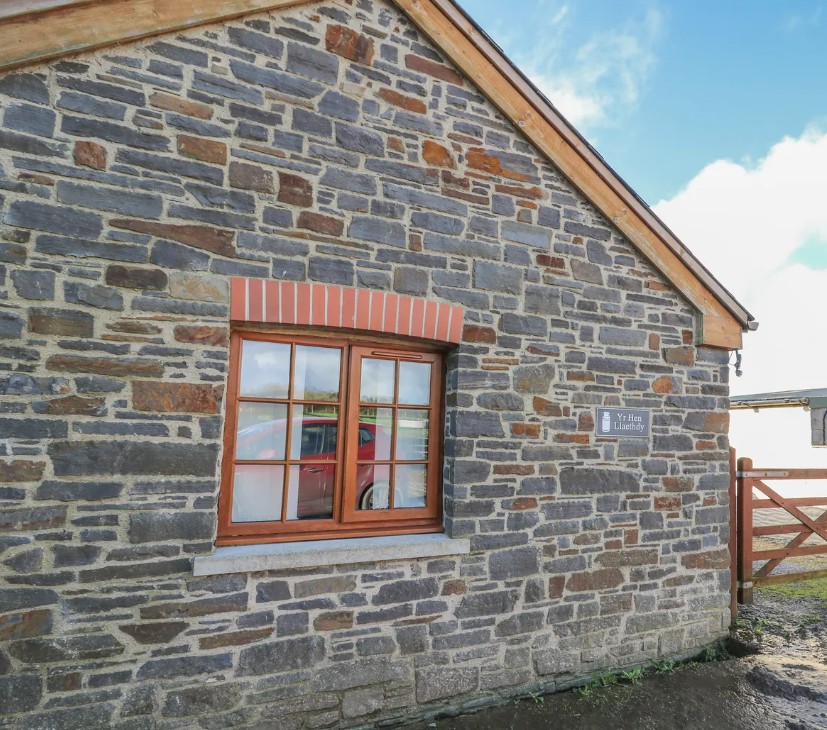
<point x="307" y="309"/>
<point x="813" y="400"/>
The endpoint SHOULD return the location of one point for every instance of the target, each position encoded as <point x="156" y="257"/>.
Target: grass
<point x="598" y="689"/>
<point x="664" y="666"/>
<point x="535" y="697"/>
<point x="633" y="676"/>
<point x="598" y="681"/>
<point x="715" y="653"/>
<point x="585" y="691"/>
<point x="815" y="589"/>
<point x="601" y="681"/>
<point x="607" y="679"/>
<point x="758" y="629"/>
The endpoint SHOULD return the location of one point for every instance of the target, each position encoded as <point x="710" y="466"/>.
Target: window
<point x="330" y="438"/>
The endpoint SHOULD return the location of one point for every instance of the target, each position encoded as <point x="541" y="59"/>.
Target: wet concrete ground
<point x="783" y="687"/>
<point x="720" y="696"/>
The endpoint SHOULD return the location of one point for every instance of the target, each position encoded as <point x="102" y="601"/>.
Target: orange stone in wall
<point x="403" y="102"/>
<point x="348" y="43"/>
<point x="295" y="190"/>
<point x="437" y="155"/>
<point x="90" y="154"/>
<point x="202" y="335"/>
<point x="596" y="580"/>
<point x="432" y="68"/>
<point x="319" y="223"/>
<point x="175" y="397"/>
<point x="21" y="471"/>
<point x="664" y="384"/>
<point x="217" y="240"/>
<point x="475" y="333"/>
<point x="712" y="560"/>
<point x="171" y="103"/>
<point x="206" y="150"/>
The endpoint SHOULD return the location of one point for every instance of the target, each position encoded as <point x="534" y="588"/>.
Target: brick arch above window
<point x="327" y="305"/>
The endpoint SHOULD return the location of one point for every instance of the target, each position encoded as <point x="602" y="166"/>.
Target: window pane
<point x="257" y="492"/>
<point x="314" y="433"/>
<point x="366" y="435"/>
<point x="261" y="432"/>
<point x="265" y="369"/>
<point x="412" y="435"/>
<point x="379" y="423"/>
<point x="373" y="486"/>
<point x="310" y="491"/>
<point x="415" y="383"/>
<point x="317" y="373"/>
<point x="378" y="378"/>
<point x="410" y="486"/>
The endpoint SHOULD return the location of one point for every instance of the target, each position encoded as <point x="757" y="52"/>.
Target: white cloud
<point x="598" y="83"/>
<point x="745" y="222"/>
<point x="796" y="21"/>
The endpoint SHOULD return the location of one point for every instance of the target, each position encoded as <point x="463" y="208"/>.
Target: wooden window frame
<point x="347" y="520"/>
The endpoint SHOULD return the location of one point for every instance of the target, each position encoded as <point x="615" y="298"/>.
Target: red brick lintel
<point x="325" y="305"/>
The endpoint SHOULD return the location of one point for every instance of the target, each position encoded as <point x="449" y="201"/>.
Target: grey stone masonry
<point x="818" y="423"/>
<point x="332" y="143"/>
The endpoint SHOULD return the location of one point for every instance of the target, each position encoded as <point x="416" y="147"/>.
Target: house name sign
<point x="628" y="422"/>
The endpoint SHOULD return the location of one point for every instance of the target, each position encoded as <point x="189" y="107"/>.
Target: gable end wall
<point x="327" y="144"/>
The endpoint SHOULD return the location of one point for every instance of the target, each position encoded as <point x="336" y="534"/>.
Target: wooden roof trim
<point x="13" y="8"/>
<point x="50" y="29"/>
<point x="40" y="30"/>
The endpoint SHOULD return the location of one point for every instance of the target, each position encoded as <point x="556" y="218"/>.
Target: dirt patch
<point x="782" y="687"/>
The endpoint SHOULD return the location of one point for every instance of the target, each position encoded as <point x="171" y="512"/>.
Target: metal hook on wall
<point x="738" y="359"/>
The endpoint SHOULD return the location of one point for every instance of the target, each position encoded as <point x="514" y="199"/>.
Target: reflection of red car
<point x="267" y="441"/>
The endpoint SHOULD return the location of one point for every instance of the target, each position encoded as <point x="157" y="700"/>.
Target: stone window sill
<point x="323" y="553"/>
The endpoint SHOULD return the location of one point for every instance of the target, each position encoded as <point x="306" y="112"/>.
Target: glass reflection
<point x="257" y="493"/>
<point x="415" y="383"/>
<point x="310" y="491"/>
<point x="316" y="375"/>
<point x="410" y="482"/>
<point x="375" y="429"/>
<point x="261" y="432"/>
<point x="314" y="432"/>
<point x="378" y="378"/>
<point x="265" y="369"/>
<point x="373" y="486"/>
<point x="412" y="435"/>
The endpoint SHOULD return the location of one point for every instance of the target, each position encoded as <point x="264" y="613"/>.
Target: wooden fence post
<point x="744" y="532"/>
<point x="733" y="536"/>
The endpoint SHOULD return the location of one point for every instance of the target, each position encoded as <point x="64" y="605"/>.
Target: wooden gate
<point x="750" y="479"/>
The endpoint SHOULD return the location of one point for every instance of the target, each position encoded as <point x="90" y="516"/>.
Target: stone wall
<point x="818" y="426"/>
<point x="330" y="143"/>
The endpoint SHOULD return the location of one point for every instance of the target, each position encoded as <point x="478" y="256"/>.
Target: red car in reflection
<point x="315" y="438"/>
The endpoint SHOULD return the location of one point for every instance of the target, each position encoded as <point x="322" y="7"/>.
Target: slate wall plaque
<point x="628" y="422"/>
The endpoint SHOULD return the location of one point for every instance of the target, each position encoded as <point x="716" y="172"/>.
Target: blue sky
<point x="715" y="112"/>
<point x="681" y="84"/>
